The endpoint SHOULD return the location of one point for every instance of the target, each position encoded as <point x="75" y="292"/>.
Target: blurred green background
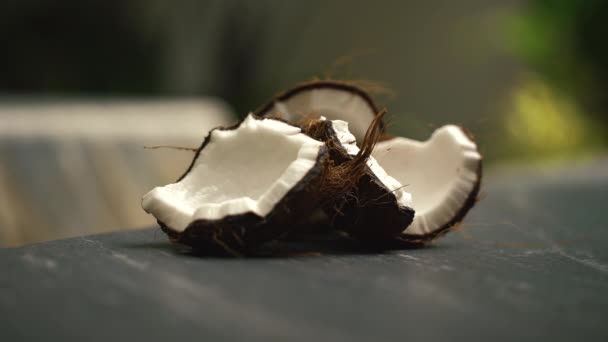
<point x="527" y="77"/>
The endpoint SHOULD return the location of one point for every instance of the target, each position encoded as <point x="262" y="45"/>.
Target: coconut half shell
<point x="368" y="203"/>
<point x="246" y="185"/>
<point x="335" y="100"/>
<point x="443" y="175"/>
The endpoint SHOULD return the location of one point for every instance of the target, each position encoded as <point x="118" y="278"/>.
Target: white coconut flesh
<point x="334" y="103"/>
<point x="440" y="173"/>
<point x="348" y="141"/>
<point x="247" y="169"/>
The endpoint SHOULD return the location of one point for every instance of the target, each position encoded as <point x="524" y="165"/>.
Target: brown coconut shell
<point x="360" y="204"/>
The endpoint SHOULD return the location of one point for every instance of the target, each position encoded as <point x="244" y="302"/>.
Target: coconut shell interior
<point x="335" y="100"/>
<point x="245" y="184"/>
<point x="443" y="174"/>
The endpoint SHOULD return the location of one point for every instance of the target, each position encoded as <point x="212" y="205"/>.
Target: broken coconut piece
<point x="336" y="100"/>
<point x="367" y="203"/>
<point x="443" y="175"/>
<point x="246" y="185"/>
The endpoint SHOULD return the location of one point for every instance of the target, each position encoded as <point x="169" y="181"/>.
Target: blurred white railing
<point x="71" y="168"/>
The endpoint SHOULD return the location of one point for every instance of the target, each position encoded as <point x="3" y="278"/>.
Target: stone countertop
<point x="530" y="264"/>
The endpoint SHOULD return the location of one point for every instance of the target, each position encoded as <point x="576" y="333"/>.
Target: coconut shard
<point x="246" y="185"/>
<point x="367" y="203"/>
<point x="336" y="100"/>
<point x="442" y="174"/>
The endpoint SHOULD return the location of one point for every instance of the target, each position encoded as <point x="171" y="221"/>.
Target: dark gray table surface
<point x="530" y="264"/>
